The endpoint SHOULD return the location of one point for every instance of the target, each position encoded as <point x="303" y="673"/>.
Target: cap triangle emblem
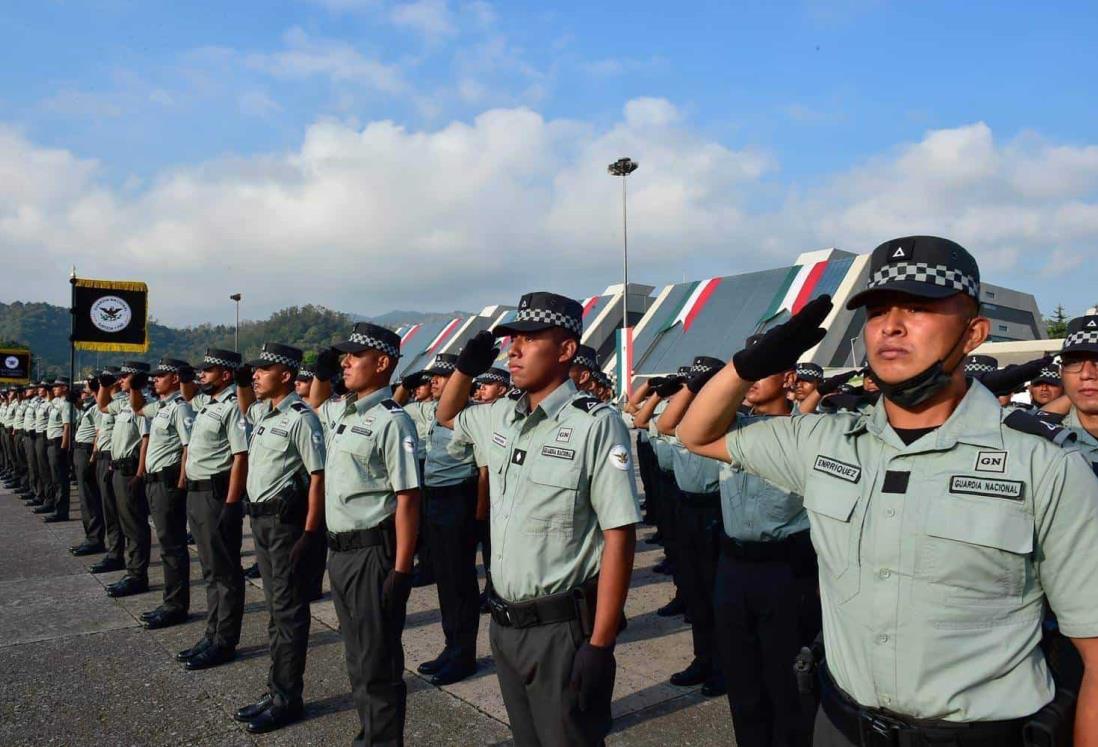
<point x="899" y="253"/>
<point x="1091" y="324"/>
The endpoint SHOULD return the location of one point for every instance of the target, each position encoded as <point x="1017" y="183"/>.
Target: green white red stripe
<point x="446" y="332"/>
<point x="796" y="289"/>
<point x="588" y="304"/>
<point x="625" y="360"/>
<point x="694" y="302"/>
<point x="409" y="333"/>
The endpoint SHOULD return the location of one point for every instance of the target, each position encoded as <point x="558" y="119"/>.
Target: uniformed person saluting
<point x="129" y="438"/>
<point x="59" y="430"/>
<point x="940" y="530"/>
<point x="170" y="421"/>
<point x="286" y="506"/>
<point x="42" y="448"/>
<point x="216" y="470"/>
<point x="109" y="390"/>
<point x="91" y="505"/>
<point x="563" y="524"/>
<point x="1079" y="377"/>
<point x="372" y="511"/>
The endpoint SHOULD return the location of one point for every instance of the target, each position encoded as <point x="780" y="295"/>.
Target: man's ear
<point x="568" y="349"/>
<point x="978" y="330"/>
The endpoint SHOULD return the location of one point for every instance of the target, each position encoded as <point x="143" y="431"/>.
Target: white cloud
<point x="307" y="56"/>
<point x="430" y="18"/>
<point x="368" y="218"/>
<point x="258" y="103"/>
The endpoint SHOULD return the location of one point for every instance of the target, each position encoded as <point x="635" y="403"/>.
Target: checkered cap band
<point x="211" y="360"/>
<point x="285" y="360"/>
<point x="586" y="362"/>
<point x="978" y="369"/>
<point x="548" y="316"/>
<point x="305" y="373"/>
<point x="372" y="342"/>
<point x="807" y="371"/>
<point x="921" y="272"/>
<point x="491" y="377"/>
<point x="131" y="370"/>
<point x="1049" y="373"/>
<point x="698" y="368"/>
<point x="166" y="368"/>
<point x="1081" y="338"/>
<point x="443" y="366"/>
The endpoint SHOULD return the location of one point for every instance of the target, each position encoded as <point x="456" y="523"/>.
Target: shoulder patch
<point x="1025" y="422"/>
<point x="300" y="407"/>
<point x="515" y="394"/>
<point x="590" y="405"/>
<point x="391" y="405"/>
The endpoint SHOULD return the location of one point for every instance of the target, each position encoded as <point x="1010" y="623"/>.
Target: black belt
<point x="83" y="447"/>
<point x="128" y="465"/>
<point x="790" y="548"/>
<point x="700" y="500"/>
<point x="213" y="483"/>
<point x="30" y="434"/>
<point x="359" y="538"/>
<point x="872" y="727"/>
<point x="555" y="608"/>
<point x="169" y="475"/>
<point x="54" y="441"/>
<point x="263" y="508"/>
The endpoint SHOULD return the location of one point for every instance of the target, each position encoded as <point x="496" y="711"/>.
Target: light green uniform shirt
<point x="662" y="445"/>
<point x="29" y="412"/>
<point x="422" y="413"/>
<point x="559" y="476"/>
<point x="170" y="423"/>
<point x="933" y="593"/>
<point x="104" y="423"/>
<point x="129" y="428"/>
<point x="371" y="457"/>
<point x="15" y="419"/>
<point x="220" y="430"/>
<point x="4" y="412"/>
<point x="60" y="414"/>
<point x="85" y="424"/>
<point x="1086" y="443"/>
<point x="287" y="444"/>
<point x="447" y="462"/>
<point x="42" y="415"/>
<point x="752" y="509"/>
<point x="693" y="473"/>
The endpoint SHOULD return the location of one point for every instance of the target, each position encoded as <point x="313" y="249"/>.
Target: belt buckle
<point x="877" y="731"/>
<point x="499" y="611"/>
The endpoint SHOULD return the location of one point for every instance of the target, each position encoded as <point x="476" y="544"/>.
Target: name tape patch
<point x="361" y="431"/>
<point x="991" y="461"/>
<point x="499" y="439"/>
<point x="279" y="432"/>
<point x="1010" y="489"/>
<point x="838" y="469"/>
<point x="557" y="452"/>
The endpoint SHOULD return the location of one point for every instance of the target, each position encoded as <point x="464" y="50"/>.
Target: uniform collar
<point x="119" y="395"/>
<point x="1071" y="420"/>
<point x="976" y="421"/>
<point x="288" y="400"/>
<point x="224" y="395"/>
<point x="173" y="397"/>
<point x="362" y="404"/>
<point x="552" y="405"/>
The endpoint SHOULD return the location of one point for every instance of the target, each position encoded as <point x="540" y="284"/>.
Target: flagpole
<point x="72" y="327"/>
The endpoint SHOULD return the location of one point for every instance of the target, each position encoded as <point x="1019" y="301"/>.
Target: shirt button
<point x="886" y="699"/>
<point x="885" y="573"/>
<point x="890" y="512"/>
<point x="882" y="638"/>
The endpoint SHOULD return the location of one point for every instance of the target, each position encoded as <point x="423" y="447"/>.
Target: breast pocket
<point x="361" y="450"/>
<point x="836" y="535"/>
<point x="550" y="501"/>
<point x="976" y="550"/>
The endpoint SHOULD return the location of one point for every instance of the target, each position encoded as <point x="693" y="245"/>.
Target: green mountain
<point x="44" y="329"/>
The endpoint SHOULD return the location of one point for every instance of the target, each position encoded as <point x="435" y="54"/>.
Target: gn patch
<point x="1013" y="490"/>
<point x="835" y="468"/>
<point x="991" y="461"/>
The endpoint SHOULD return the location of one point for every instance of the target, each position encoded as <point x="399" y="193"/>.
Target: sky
<point x="368" y="155"/>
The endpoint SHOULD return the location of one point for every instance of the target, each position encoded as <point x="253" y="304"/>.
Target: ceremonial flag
<point x="110" y="315"/>
<point x="446" y="332"/>
<point x="695" y="301"/>
<point x="625" y="360"/>
<point x="15" y="366"/>
<point x="796" y="289"/>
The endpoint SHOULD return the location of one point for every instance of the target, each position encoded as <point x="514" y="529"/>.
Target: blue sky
<point x="770" y="128"/>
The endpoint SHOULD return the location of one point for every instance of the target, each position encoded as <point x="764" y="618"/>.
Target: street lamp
<point x="236" y="297"/>
<point x="623" y="167"/>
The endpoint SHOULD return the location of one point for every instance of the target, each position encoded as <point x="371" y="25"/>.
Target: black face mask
<point x="209" y="389"/>
<point x="922" y="386"/>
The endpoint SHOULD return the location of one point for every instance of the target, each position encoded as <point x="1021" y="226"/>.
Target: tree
<point x="1057" y="324"/>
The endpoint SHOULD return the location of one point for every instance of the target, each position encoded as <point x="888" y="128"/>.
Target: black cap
<point x="444" y="364"/>
<point x="752" y="340"/>
<point x="304" y="374"/>
<point x="924" y="266"/>
<point x="495" y="376"/>
<point x="705" y="364"/>
<point x="684" y="370"/>
<point x="274" y="353"/>
<point x="218" y="357"/>
<point x="169" y="366"/>
<point x="61" y="381"/>
<point x="542" y="310"/>
<point x="132" y="367"/>
<point x="367" y="336"/>
<point x="809" y="372"/>
<point x="1049" y="374"/>
<point x="1082" y="336"/>
<point x="586" y="357"/>
<point x="978" y="365"/>
<point x="112" y="370"/>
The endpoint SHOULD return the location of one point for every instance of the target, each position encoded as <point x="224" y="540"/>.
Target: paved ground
<point x="76" y="667"/>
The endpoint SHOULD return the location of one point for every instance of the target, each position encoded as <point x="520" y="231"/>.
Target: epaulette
<point x="391" y="405"/>
<point x="1050" y="417"/>
<point x="514" y="394"/>
<point x="1023" y="421"/>
<point x="589" y="405"/>
<point x="300" y="407"/>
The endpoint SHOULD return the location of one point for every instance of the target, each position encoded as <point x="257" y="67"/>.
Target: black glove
<point x="698" y="380"/>
<point x="243" y="376"/>
<point x="93" y="385"/>
<point x="300" y="550"/>
<point x="395" y="590"/>
<point x="139" y="380"/>
<point x="478" y="355"/>
<point x="107" y="379"/>
<point x="779" y="349"/>
<point x="669" y="387"/>
<point x="410" y="382"/>
<point x="327" y="364"/>
<point x="592" y="674"/>
<point x="1007" y="380"/>
<point x="831" y="384"/>
<point x="231" y="512"/>
<point x="186" y="375"/>
<point x="655" y="382"/>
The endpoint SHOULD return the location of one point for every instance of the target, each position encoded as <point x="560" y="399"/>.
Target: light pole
<point x="623" y="167"/>
<point x="236" y="297"/>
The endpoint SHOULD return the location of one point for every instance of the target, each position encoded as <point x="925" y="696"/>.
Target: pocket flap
<point x="837" y="505"/>
<point x="988" y="525"/>
<point x="557" y="473"/>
